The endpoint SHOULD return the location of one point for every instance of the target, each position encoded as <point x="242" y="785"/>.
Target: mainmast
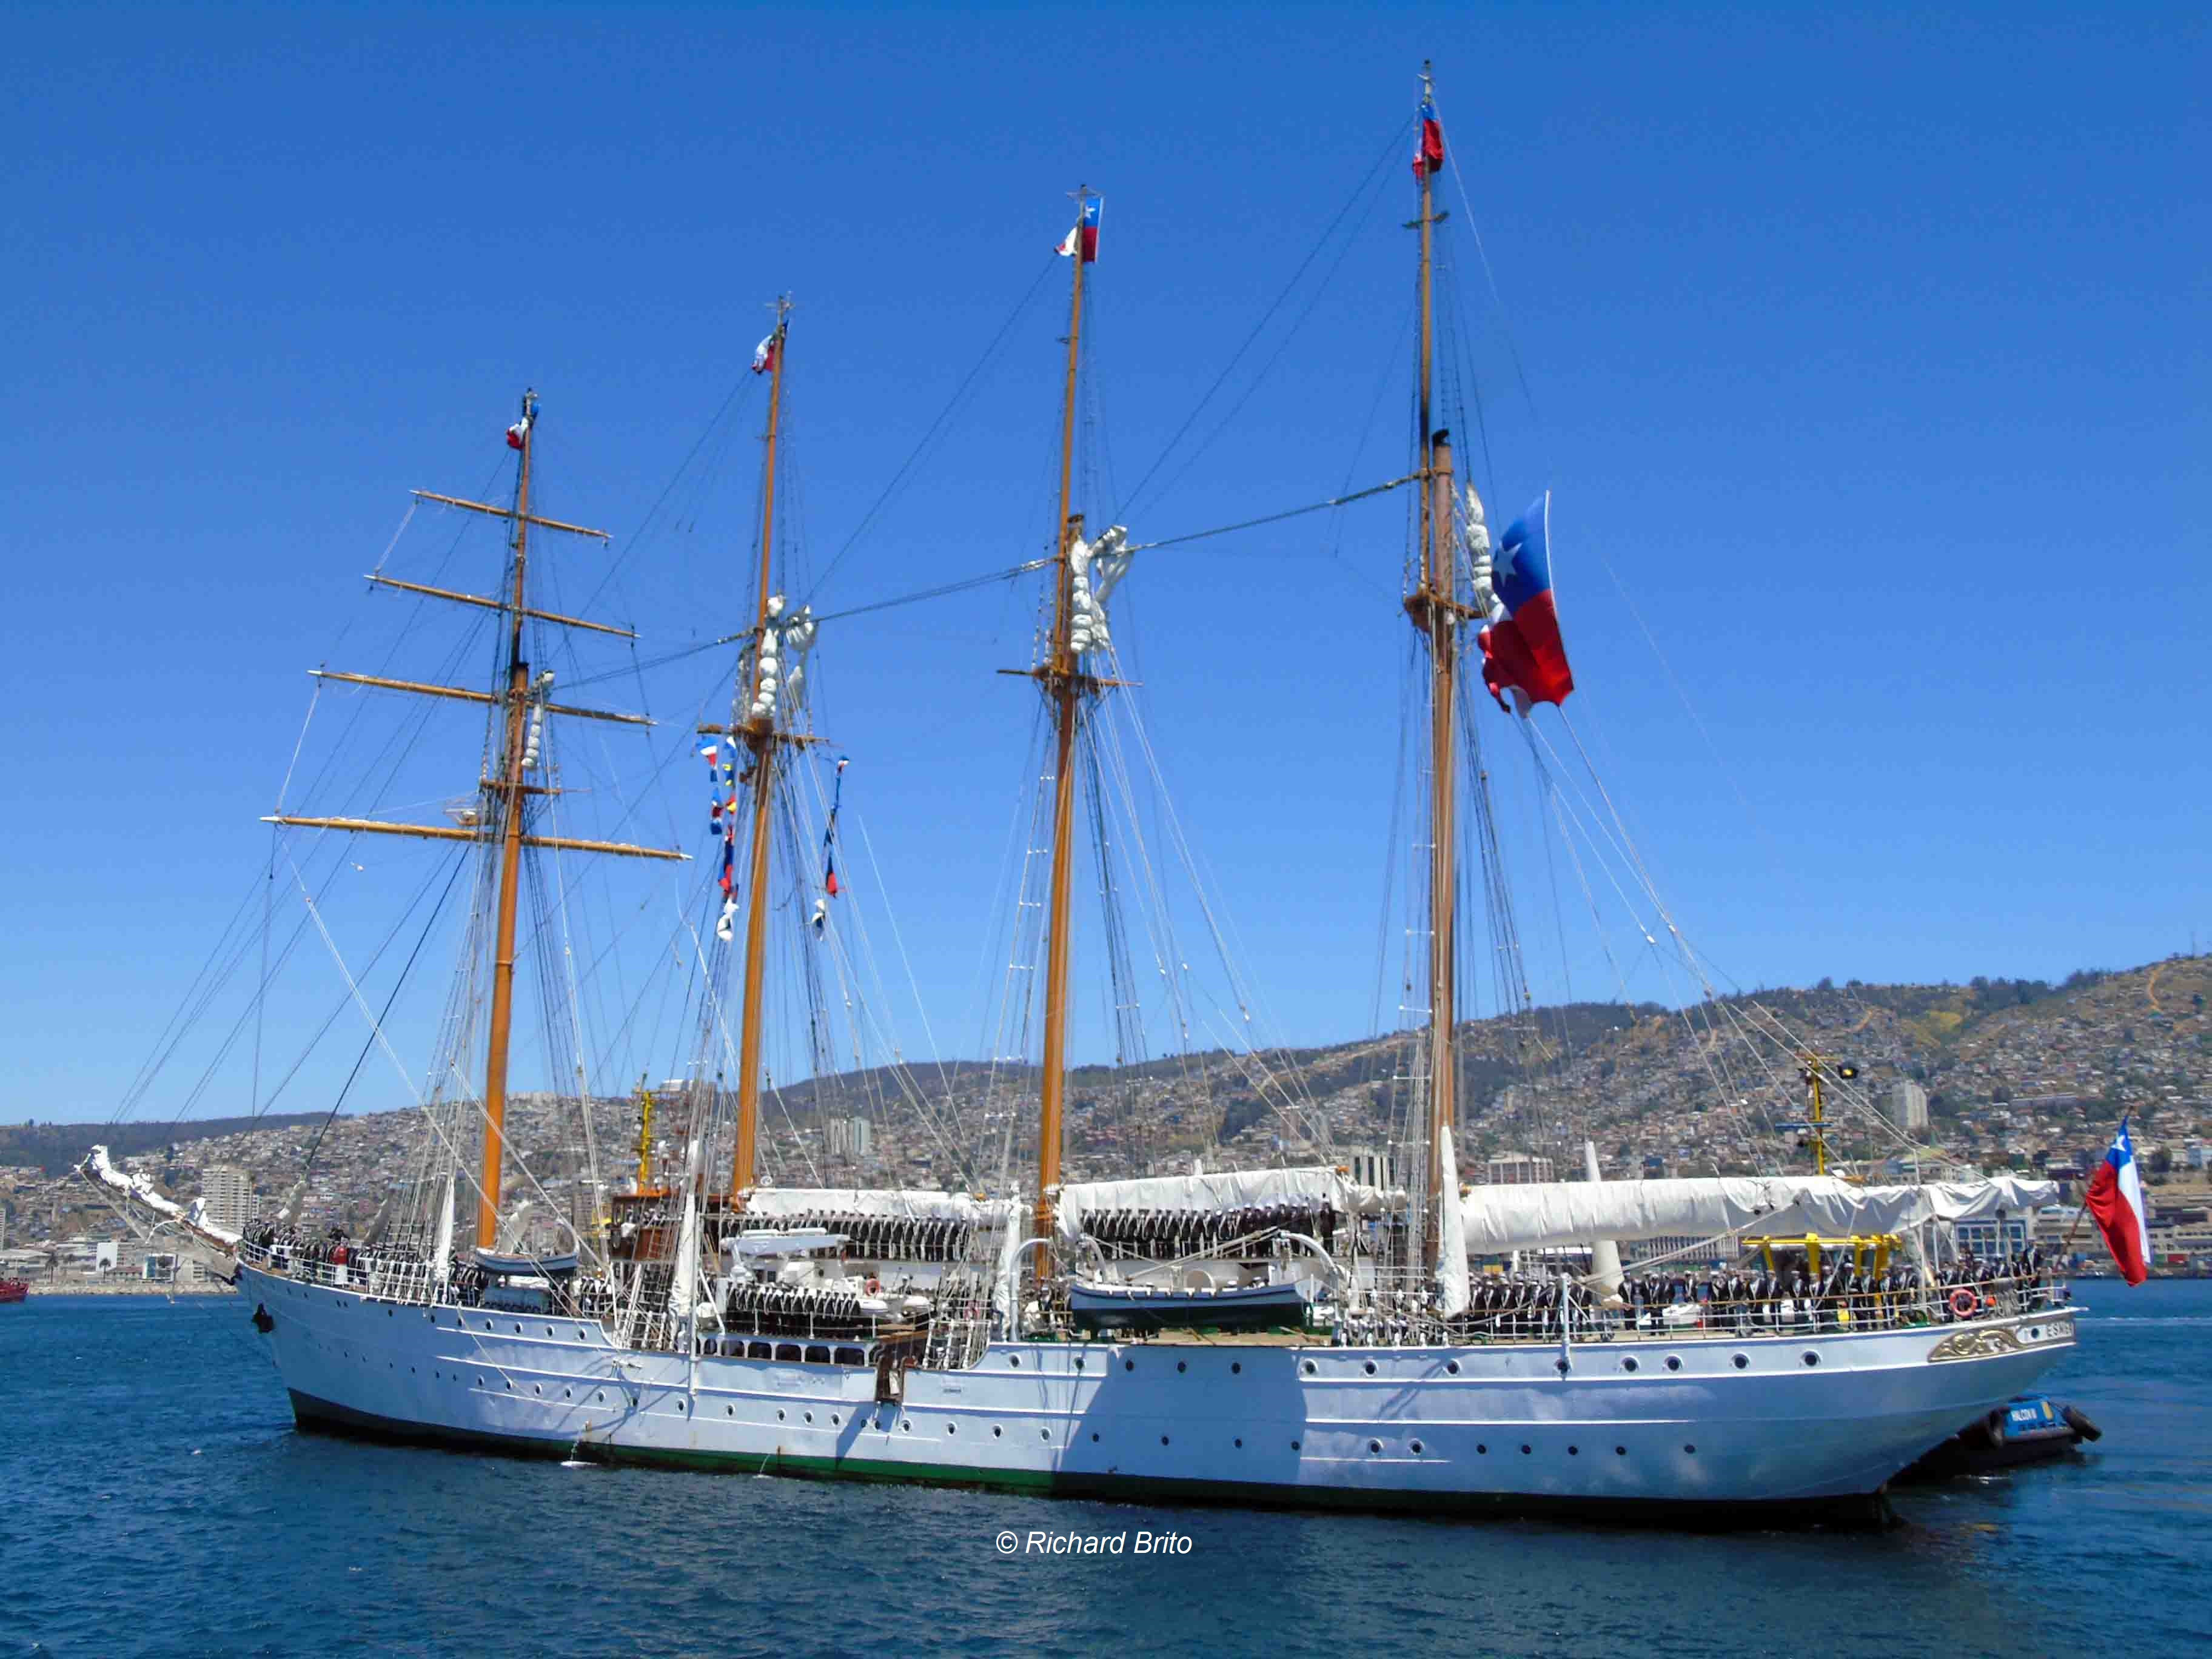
<point x="1063" y="688"/>
<point x="757" y="733"/>
<point x="1435" y="609"/>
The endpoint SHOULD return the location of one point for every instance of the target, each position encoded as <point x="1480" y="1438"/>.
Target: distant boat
<point x="13" y="1289"/>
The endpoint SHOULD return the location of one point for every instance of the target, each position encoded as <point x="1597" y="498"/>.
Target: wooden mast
<point x="1064" y="688"/>
<point x="510" y="862"/>
<point x="758" y="734"/>
<point x="1435" y="611"/>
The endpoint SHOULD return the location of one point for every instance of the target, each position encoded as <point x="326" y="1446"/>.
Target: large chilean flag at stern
<point x="1522" y="650"/>
<point x="2116" y="1198"/>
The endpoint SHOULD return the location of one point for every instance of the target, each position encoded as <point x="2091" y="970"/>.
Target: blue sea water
<point x="155" y="1500"/>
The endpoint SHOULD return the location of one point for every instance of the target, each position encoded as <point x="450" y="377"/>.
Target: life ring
<point x="1963" y="1304"/>
<point x="874" y="1285"/>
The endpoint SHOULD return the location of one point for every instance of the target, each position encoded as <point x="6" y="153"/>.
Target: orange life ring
<point x="1963" y="1304"/>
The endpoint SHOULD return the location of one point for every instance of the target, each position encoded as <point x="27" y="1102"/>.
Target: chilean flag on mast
<point x="2116" y="1200"/>
<point x="1429" y="154"/>
<point x="1085" y="233"/>
<point x="1522" y="650"/>
<point x="764" y="353"/>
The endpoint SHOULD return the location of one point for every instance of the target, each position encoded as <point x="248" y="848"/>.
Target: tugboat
<point x="2028" y="1429"/>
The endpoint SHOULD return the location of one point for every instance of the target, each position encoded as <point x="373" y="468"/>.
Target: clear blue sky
<point x="1867" y="349"/>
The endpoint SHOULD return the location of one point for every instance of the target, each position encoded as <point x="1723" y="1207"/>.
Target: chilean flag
<point x="1428" y="156"/>
<point x="1084" y="235"/>
<point x="764" y="354"/>
<point x="1522" y="650"/>
<point x="2116" y="1198"/>
<point x="518" y="433"/>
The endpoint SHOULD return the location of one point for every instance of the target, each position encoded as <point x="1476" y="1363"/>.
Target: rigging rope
<point x="1274" y="517"/>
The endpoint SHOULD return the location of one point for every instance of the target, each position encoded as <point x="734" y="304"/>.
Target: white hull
<point x="1428" y="1429"/>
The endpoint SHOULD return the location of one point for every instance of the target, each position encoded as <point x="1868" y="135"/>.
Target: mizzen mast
<point x="1063" y="686"/>
<point x="1435" y="609"/>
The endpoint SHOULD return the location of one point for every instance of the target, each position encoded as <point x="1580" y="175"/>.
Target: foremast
<point x="1435" y="610"/>
<point x="522" y="706"/>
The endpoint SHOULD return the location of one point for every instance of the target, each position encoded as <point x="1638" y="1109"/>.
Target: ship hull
<point x="1434" y="1431"/>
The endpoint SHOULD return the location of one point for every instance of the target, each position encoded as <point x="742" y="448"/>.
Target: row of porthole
<point x="1628" y="1364"/>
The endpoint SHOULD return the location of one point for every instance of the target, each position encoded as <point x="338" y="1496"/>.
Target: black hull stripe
<point x="1859" y="1513"/>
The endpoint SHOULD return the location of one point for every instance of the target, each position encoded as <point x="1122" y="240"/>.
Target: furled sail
<point x="1537" y="1215"/>
<point x="1451" y="1245"/>
<point x="1230" y="1189"/>
<point x="1894" y="1209"/>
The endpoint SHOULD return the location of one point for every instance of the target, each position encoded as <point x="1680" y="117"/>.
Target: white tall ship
<point x="1279" y="1336"/>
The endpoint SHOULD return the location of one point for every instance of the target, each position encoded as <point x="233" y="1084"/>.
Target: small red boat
<point x="13" y="1289"/>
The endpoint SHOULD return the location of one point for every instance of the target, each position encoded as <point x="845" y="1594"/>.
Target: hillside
<point x="2019" y="1074"/>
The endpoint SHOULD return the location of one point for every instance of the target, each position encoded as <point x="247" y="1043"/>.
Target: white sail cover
<point x="912" y="1203"/>
<point x="684" y="1288"/>
<point x="98" y="1166"/>
<point x="441" y="1251"/>
<point x="1451" y="1246"/>
<point x="1094" y="568"/>
<point x="1540" y="1214"/>
<point x="1896" y="1209"/>
<point x="1226" y="1189"/>
<point x="1006" y="1271"/>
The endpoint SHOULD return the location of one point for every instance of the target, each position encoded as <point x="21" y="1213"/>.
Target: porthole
<point x="1692" y="1451"/>
<point x="1629" y="1364"/>
<point x="1015" y="1360"/>
<point x="1481" y="1451"/>
<point x="548" y="1330"/>
<point x="1235" y="1366"/>
<point x="1240" y="1443"/>
<point x="1308" y="1368"/>
<point x="1451" y="1367"/>
<point x="1128" y="1364"/>
<point x="1375" y="1445"/>
<point x="834" y="1419"/>
<point x="1294" y="1445"/>
<point x="906" y="1426"/>
<point x="1620" y="1451"/>
<point x="1674" y="1362"/>
<point x="681" y="1408"/>
<point x="601" y="1396"/>
<point x="952" y="1428"/>
<point x="778" y="1416"/>
<point x="1574" y="1451"/>
<point x="1525" y="1449"/>
<point x="1369" y="1368"/>
<point x="997" y="1432"/>
<point x="538" y="1388"/>
<point x="1094" y="1437"/>
<point x="729" y="1410"/>
<point x="1045" y="1434"/>
<point x="1811" y="1359"/>
<point x="1741" y="1361"/>
<point x="1181" y="1366"/>
<point x="1078" y="1364"/>
<point x="1164" y="1440"/>
<point x="508" y="1386"/>
<point x="1417" y="1447"/>
<point x="568" y="1394"/>
<point x="809" y="1417"/>
<point x="517" y="1330"/>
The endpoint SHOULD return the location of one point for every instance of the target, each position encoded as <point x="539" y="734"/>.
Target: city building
<point x="1908" y="1106"/>
<point x="1372" y="1169"/>
<point x="231" y="1202"/>
<point x="1518" y="1169"/>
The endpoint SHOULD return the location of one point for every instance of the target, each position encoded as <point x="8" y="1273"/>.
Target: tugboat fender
<point x="2078" y="1420"/>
